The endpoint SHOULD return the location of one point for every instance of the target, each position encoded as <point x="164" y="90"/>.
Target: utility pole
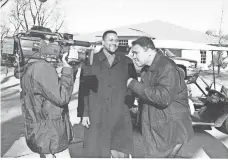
<point x="219" y="54"/>
<point x="220" y="28"/>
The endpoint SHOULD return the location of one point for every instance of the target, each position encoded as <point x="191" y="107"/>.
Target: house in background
<point x="125" y="36"/>
<point x="162" y="31"/>
<point x="167" y="31"/>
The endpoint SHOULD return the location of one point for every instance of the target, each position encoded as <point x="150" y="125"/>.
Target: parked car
<point x="188" y="65"/>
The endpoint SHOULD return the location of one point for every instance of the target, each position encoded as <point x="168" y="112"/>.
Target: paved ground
<point x="211" y="146"/>
<point x="213" y="142"/>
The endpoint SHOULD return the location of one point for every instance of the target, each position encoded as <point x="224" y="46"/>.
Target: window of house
<point x="203" y="56"/>
<point x="123" y="42"/>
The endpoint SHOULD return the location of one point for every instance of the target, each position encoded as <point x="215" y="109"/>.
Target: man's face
<point x="111" y="42"/>
<point x="140" y="55"/>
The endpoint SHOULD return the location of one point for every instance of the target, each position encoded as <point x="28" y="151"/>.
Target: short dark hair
<point x="144" y="42"/>
<point x="107" y="32"/>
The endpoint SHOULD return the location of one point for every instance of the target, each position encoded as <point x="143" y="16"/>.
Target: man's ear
<point x="102" y="42"/>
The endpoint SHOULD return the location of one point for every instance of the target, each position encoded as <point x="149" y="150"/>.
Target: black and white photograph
<point x="114" y="79"/>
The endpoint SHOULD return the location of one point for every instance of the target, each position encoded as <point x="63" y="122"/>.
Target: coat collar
<point x="155" y="62"/>
<point x="102" y="57"/>
<point x="154" y="65"/>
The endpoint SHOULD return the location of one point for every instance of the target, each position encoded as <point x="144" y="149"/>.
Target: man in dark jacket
<point x="106" y="116"/>
<point x="166" y="121"/>
<point x="45" y="99"/>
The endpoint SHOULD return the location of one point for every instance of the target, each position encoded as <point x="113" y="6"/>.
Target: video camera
<point x="42" y="43"/>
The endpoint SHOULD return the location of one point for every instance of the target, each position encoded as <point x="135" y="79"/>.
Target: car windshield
<point x="167" y="52"/>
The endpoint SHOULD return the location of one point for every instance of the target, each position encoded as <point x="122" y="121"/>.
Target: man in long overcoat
<point x="166" y="121"/>
<point x="106" y="115"/>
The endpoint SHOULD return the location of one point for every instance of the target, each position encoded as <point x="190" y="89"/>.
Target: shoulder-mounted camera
<point x="42" y="43"/>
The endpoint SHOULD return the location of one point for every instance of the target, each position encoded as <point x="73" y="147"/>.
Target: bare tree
<point x="3" y="2"/>
<point x="4" y="29"/>
<point x="17" y="15"/>
<point x="28" y="13"/>
<point x="219" y="59"/>
<point x="58" y="21"/>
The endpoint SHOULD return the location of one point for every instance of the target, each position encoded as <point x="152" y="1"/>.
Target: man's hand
<point x="85" y="122"/>
<point x="65" y="63"/>
<point x="129" y="81"/>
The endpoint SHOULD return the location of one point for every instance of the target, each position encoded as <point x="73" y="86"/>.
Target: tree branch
<point x="4" y="30"/>
<point x="15" y="26"/>
<point x="37" y="13"/>
<point x="38" y="9"/>
<point x="45" y="19"/>
<point x="61" y="24"/>
<point x="4" y="3"/>
<point x="32" y="14"/>
<point x="26" y="22"/>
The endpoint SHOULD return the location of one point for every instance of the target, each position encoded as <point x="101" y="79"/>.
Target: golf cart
<point x="211" y="109"/>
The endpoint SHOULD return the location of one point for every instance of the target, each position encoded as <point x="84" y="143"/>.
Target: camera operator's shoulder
<point x="43" y="65"/>
<point x="44" y="70"/>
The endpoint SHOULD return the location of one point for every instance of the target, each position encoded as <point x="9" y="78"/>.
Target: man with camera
<point x="45" y="99"/>
<point x="106" y="115"/>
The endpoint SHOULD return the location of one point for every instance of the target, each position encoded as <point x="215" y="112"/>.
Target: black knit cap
<point x="145" y="42"/>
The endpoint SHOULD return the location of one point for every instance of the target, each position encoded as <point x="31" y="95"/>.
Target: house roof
<point x="186" y="45"/>
<point x="167" y="31"/>
<point x="122" y="32"/>
<point x="158" y="30"/>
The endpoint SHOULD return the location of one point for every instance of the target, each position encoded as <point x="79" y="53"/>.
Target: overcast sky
<point x="95" y="15"/>
<point x="84" y="16"/>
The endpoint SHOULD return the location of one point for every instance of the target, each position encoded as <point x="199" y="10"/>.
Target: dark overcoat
<point x="106" y="102"/>
<point x="166" y="119"/>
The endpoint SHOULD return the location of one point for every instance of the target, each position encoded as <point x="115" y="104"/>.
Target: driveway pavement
<point x="13" y="143"/>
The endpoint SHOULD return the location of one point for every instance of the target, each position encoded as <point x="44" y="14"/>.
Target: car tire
<point x="224" y="127"/>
